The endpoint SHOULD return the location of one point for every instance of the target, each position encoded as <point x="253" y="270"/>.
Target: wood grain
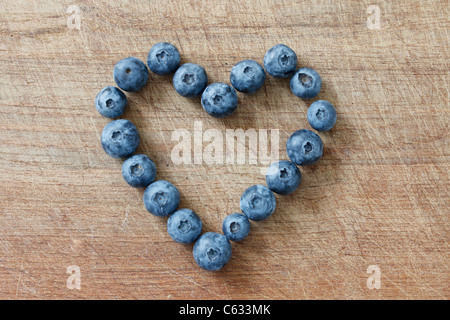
<point x="379" y="196"/>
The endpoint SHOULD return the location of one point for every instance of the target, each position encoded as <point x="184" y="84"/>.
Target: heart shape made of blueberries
<point x="120" y="139"/>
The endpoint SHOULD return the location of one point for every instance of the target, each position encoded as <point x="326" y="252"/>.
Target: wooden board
<point x="378" y="197"/>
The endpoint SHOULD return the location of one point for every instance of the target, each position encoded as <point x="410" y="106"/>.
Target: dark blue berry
<point x="304" y="147"/>
<point x="212" y="251"/>
<point x="120" y="138"/>
<point x="139" y="171"/>
<point x="190" y="80"/>
<point x="163" y="58"/>
<point x="236" y="227"/>
<point x="283" y="177"/>
<point x="161" y="198"/>
<point x="130" y="74"/>
<point x="247" y="76"/>
<point x="306" y="83"/>
<point x="111" y="102"/>
<point x="184" y="226"/>
<point x="258" y="202"/>
<point x="280" y="61"/>
<point x="219" y="100"/>
<point x="322" y="115"/>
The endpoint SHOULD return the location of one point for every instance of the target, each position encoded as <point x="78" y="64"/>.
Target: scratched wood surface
<point x="378" y="197"/>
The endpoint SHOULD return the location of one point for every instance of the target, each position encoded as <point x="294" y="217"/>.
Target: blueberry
<point x="322" y="115"/>
<point x="283" y="177"/>
<point x="111" y="102"/>
<point x="184" y="226"/>
<point x="236" y="227"/>
<point x="130" y="74"/>
<point x="190" y="80"/>
<point x="258" y="202"/>
<point x="212" y="251"/>
<point x="280" y="61"/>
<point x="163" y="58"/>
<point x="139" y="171"/>
<point x="161" y="198"/>
<point x="306" y="83"/>
<point x="247" y="76"/>
<point x="304" y="147"/>
<point x="120" y="138"/>
<point x="219" y="100"/>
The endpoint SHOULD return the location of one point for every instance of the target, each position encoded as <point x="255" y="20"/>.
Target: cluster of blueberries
<point x="120" y="139"/>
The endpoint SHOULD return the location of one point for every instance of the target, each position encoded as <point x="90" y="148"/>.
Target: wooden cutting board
<point x="370" y="220"/>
